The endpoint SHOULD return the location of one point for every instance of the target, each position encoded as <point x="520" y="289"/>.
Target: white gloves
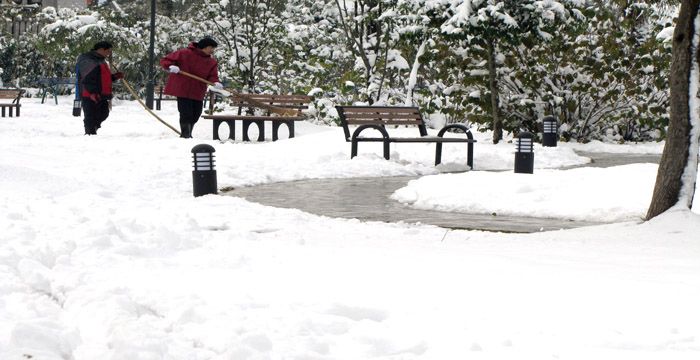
<point x="219" y="89"/>
<point x="174" y="69"/>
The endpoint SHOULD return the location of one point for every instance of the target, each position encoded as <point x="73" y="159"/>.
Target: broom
<point x="133" y="93"/>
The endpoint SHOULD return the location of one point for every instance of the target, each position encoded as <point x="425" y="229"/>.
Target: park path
<point x="323" y="196"/>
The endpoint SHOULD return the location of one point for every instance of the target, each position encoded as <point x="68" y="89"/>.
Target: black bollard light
<point x="204" y="174"/>
<point x="550" y="131"/>
<point x="524" y="153"/>
<point x="76" y="107"/>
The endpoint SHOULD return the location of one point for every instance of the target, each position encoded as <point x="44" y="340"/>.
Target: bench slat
<point x="422" y="139"/>
<point x="275" y="97"/>
<point x="378" y="108"/>
<point x="9" y="94"/>
<point x="400" y="113"/>
<point x="385" y="122"/>
<point x="253" y="118"/>
<point x="269" y="101"/>
<point x="279" y="105"/>
<point x="351" y="116"/>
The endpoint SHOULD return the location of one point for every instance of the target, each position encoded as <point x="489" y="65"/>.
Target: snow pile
<point x="105" y="254"/>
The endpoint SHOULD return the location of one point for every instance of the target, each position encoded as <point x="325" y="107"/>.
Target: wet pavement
<point x="368" y="199"/>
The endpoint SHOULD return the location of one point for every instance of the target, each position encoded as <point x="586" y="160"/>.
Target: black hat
<point x="102" y="45"/>
<point x="207" y="41"/>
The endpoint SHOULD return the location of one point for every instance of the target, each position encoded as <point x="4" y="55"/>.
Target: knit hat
<point x="207" y="41"/>
<point x="102" y="45"/>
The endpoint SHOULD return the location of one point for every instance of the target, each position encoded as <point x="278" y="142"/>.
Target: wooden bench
<point x="53" y="85"/>
<point x="258" y="116"/>
<point x="10" y="94"/>
<point x="379" y="117"/>
<point x="159" y="96"/>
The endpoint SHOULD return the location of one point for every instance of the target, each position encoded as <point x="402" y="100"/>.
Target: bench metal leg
<point x="157" y="104"/>
<point x="3" y="111"/>
<point x="276" y="126"/>
<point x="215" y="129"/>
<point x="470" y="155"/>
<point x="231" y="127"/>
<point x="261" y="129"/>
<point x="438" y="153"/>
<point x="354" y="145"/>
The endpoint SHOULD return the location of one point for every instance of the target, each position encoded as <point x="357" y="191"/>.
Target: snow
<point x="666" y="34"/>
<point x="622" y="193"/>
<point x="690" y="173"/>
<point x="105" y="254"/>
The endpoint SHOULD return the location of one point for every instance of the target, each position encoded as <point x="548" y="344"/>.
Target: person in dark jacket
<point x="195" y="59"/>
<point x="95" y="85"/>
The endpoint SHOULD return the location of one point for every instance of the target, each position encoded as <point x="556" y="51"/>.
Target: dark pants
<point x="190" y="111"/>
<point x="95" y="113"/>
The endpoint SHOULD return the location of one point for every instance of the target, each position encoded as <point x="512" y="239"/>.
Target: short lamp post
<point x="549" y="131"/>
<point x="524" y="153"/>
<point x="204" y="173"/>
<point x="76" y="104"/>
<point x="150" y="84"/>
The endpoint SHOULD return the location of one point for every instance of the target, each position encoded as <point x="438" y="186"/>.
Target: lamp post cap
<point x="525" y="134"/>
<point x="203" y="148"/>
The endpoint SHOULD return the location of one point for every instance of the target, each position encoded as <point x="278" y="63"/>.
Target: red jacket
<point x="194" y="61"/>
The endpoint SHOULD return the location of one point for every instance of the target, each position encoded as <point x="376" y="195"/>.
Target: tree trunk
<point x="675" y="159"/>
<point x="493" y="87"/>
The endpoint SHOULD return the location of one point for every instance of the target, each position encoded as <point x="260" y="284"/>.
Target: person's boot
<point x="183" y="129"/>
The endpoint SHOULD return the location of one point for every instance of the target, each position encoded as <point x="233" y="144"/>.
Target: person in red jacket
<point x="195" y="59"/>
<point x="95" y="85"/>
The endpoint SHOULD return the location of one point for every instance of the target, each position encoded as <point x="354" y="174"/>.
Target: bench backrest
<point x="380" y="115"/>
<point x="296" y="102"/>
<point x="14" y="94"/>
<point x="158" y="90"/>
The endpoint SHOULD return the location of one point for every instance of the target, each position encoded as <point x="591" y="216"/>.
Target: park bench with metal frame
<point x="158" y="90"/>
<point x="13" y="96"/>
<point x="53" y="85"/>
<point x="381" y="117"/>
<point x="258" y="116"/>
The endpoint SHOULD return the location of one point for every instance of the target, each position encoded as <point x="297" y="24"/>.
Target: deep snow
<point x="105" y="254"/>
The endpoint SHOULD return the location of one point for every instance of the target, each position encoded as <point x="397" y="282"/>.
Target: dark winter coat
<point x="194" y="61"/>
<point x="95" y="76"/>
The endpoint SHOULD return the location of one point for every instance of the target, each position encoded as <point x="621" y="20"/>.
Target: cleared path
<point x="323" y="196"/>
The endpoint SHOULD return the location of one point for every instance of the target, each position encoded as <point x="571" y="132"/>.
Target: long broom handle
<point x="133" y="93"/>
<point x="246" y="97"/>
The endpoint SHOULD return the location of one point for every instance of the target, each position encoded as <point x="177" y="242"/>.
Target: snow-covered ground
<point x="105" y="253"/>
